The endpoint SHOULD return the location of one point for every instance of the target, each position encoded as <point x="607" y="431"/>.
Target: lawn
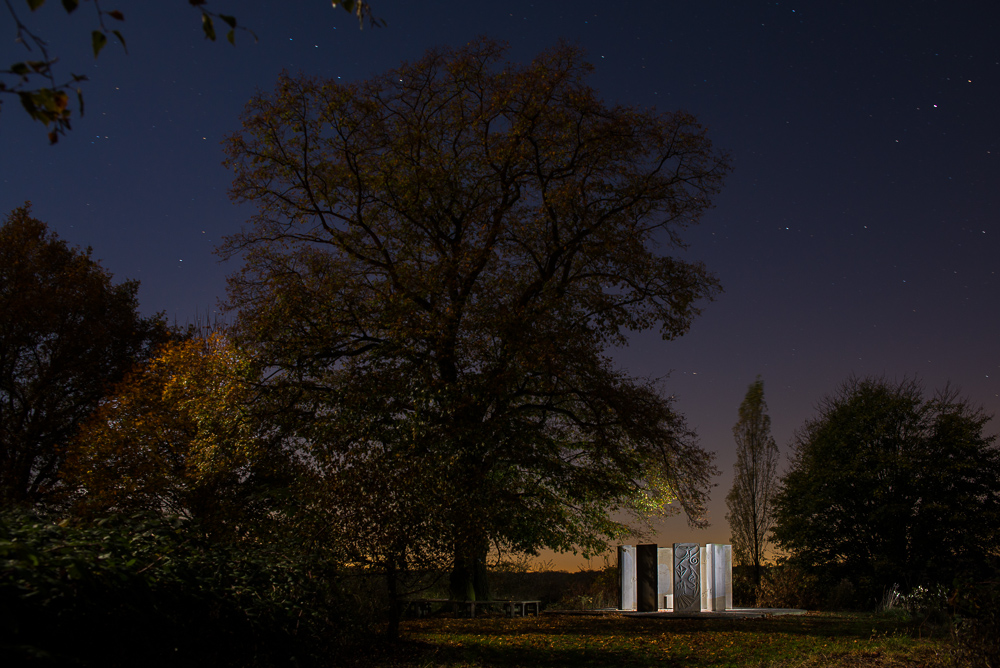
<point x="810" y="641"/>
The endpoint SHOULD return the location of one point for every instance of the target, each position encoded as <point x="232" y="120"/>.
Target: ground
<point x="811" y="641"/>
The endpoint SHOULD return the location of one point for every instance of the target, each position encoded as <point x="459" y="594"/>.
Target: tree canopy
<point x="177" y="435"/>
<point x="888" y="488"/>
<point x="441" y="259"/>
<point x="67" y="334"/>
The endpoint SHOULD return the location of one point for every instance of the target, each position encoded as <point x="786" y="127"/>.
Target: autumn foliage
<point x="174" y="436"/>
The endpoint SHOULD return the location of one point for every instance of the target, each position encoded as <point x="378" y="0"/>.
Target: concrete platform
<point x="735" y="613"/>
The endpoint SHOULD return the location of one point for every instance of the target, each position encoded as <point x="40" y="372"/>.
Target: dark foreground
<point x="808" y="641"/>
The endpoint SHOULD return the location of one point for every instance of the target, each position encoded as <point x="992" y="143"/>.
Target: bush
<point x="976" y="628"/>
<point x="841" y="597"/>
<point x="787" y="586"/>
<point x="590" y="590"/>
<point x="927" y="604"/>
<point x="153" y="592"/>
<point x="744" y="591"/>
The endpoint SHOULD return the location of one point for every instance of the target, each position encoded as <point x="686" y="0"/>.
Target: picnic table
<point x="513" y="608"/>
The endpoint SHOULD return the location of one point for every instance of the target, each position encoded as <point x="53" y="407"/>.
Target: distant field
<point x="808" y="641"/>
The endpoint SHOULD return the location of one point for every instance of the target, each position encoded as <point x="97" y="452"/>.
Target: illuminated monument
<point x="684" y="578"/>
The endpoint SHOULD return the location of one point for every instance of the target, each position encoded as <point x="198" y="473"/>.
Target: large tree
<point x="66" y="335"/>
<point x="755" y="481"/>
<point x="441" y="258"/>
<point x="888" y="488"/>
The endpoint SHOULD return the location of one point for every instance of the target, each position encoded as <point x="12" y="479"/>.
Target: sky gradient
<point x="858" y="233"/>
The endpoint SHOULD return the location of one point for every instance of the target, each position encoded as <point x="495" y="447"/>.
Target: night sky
<point x="858" y="233"/>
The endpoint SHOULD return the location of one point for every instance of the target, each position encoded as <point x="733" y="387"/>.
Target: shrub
<point x="787" y="586"/>
<point x="842" y="597"/>
<point x="976" y="629"/>
<point x="590" y="590"/>
<point x="744" y="591"/>
<point x="149" y="591"/>
<point x="927" y="604"/>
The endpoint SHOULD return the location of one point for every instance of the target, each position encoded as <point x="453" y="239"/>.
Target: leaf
<point x="98" y="39"/>
<point x="35" y="4"/>
<point x="230" y="20"/>
<point x="231" y="36"/>
<point x="69" y="5"/>
<point x="206" y="24"/>
<point x="115" y="14"/>
<point x="120" y="39"/>
<point x="79" y="99"/>
<point x="20" y="69"/>
<point x="28" y="102"/>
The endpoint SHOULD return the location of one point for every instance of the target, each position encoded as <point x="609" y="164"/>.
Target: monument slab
<point x="687" y="577"/>
<point x="645" y="560"/>
<point x="626" y="575"/>
<point x="665" y="577"/>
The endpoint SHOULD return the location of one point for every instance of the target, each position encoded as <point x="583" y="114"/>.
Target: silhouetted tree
<point x="441" y="258"/>
<point x="887" y="488"/>
<point x="67" y="334"/>
<point x="755" y="481"/>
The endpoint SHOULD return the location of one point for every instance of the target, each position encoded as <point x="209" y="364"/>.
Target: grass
<point x="808" y="641"/>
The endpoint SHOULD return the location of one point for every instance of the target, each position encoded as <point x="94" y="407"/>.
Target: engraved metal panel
<point x="687" y="577"/>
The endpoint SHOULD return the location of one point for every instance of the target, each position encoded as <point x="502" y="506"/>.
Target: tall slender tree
<point x="750" y="501"/>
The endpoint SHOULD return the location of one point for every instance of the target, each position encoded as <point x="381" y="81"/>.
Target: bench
<point x="519" y="608"/>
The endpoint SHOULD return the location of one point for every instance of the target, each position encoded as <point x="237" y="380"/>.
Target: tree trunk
<point x="395" y="563"/>
<point x="469" y="580"/>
